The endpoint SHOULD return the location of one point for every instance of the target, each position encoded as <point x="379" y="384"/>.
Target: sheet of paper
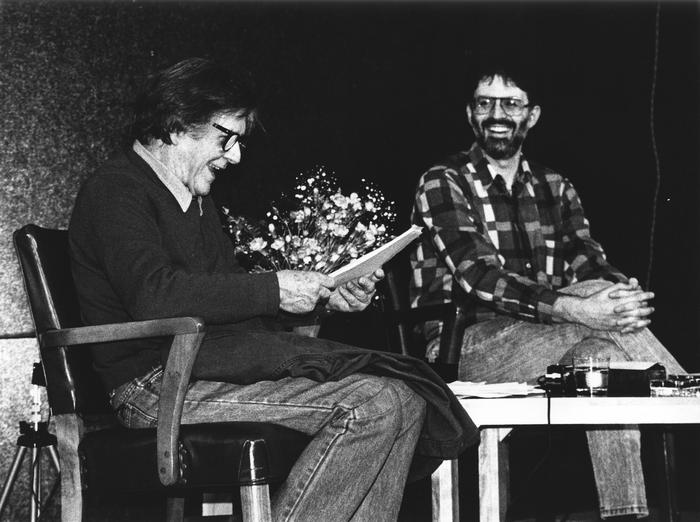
<point x="493" y="390"/>
<point x="373" y="260"/>
<point x="631" y="365"/>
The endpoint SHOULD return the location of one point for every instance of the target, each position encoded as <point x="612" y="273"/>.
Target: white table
<point x="495" y="418"/>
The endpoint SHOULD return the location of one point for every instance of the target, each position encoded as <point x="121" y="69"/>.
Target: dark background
<point x="376" y="90"/>
<point x="371" y="90"/>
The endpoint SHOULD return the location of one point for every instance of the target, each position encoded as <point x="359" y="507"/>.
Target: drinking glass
<point x="591" y="375"/>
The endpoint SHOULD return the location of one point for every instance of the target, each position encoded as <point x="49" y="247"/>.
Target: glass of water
<point x="591" y="375"/>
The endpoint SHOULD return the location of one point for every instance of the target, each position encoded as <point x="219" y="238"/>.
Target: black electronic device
<point x="624" y="380"/>
<point x="558" y="381"/>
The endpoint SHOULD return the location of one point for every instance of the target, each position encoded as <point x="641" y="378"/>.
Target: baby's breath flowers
<point x="322" y="230"/>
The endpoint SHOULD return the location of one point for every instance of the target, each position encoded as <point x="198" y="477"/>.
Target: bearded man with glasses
<point x="508" y="240"/>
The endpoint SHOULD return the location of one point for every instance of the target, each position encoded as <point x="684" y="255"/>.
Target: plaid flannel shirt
<point x="510" y="252"/>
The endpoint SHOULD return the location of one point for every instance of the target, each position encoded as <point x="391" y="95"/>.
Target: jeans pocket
<point x="133" y="417"/>
<point x="121" y="394"/>
<point x="133" y="401"/>
<point x="152" y="380"/>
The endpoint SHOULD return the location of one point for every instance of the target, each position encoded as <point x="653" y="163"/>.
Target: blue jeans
<point x="364" y="428"/>
<point x="506" y="349"/>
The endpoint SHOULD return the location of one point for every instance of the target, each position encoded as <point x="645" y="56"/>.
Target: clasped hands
<point x="621" y="307"/>
<point x="301" y="292"/>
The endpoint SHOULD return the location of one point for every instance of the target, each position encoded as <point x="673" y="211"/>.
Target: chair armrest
<point x="119" y="331"/>
<point x="401" y="317"/>
<point x="176" y="378"/>
<point x="187" y="333"/>
<point x="454" y="322"/>
<point x="454" y="319"/>
<point x="413" y="316"/>
<point x="452" y="337"/>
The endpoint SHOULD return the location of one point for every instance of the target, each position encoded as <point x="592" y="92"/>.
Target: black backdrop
<point x="375" y="90"/>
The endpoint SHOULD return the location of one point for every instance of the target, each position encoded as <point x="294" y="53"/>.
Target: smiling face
<point x="499" y="134"/>
<point x="198" y="155"/>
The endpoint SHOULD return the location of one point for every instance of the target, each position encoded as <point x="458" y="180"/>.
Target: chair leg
<point x="255" y="502"/>
<point x="69" y="431"/>
<point x="175" y="509"/>
<point x="669" y="469"/>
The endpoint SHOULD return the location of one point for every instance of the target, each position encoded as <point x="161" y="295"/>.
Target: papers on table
<point x="493" y="390"/>
<point x="631" y="365"/>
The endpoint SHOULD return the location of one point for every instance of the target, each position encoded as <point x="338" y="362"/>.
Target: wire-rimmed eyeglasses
<point x="230" y="139"/>
<point x="511" y="106"/>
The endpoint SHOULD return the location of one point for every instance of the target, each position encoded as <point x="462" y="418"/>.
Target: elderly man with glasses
<point x="146" y="242"/>
<point x="508" y="239"/>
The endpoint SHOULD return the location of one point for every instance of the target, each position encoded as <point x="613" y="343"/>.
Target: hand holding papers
<point x="372" y="261"/>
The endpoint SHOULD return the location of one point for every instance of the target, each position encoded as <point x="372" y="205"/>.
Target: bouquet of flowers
<point x="320" y="228"/>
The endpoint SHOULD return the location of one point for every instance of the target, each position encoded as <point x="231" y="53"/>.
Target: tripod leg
<point x="54" y="458"/>
<point x="35" y="499"/>
<point x="11" y="476"/>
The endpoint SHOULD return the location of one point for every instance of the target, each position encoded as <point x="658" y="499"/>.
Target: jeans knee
<point x="595" y="346"/>
<point x="412" y="405"/>
<point x="380" y="405"/>
<point x="406" y="411"/>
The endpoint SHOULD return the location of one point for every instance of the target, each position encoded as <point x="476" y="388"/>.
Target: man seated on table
<point x="512" y="236"/>
<point x="146" y="242"/>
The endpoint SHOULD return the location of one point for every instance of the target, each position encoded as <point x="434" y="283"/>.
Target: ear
<point x="469" y="117"/>
<point x="177" y="136"/>
<point x="533" y="116"/>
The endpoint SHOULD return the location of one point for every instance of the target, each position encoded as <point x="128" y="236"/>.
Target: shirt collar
<point x="486" y="175"/>
<point x="177" y="188"/>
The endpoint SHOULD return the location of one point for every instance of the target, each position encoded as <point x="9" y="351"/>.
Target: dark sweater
<point x="136" y="255"/>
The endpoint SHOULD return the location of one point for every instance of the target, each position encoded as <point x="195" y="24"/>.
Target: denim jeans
<point x="506" y="349"/>
<point x="364" y="429"/>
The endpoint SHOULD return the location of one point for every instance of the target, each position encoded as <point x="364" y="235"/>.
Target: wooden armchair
<point x="98" y="455"/>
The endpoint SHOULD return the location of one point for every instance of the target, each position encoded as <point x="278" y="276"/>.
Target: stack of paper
<point x="367" y="264"/>
<point x="502" y="389"/>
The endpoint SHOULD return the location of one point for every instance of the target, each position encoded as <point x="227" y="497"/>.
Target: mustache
<point x="498" y="121"/>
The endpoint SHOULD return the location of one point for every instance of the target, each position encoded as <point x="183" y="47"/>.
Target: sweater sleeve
<point x="120" y="230"/>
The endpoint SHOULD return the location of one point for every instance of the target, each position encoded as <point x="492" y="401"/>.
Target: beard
<point x="500" y="148"/>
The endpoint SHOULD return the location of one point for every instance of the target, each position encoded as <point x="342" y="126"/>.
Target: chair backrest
<point x="396" y="302"/>
<point x="401" y="318"/>
<point x="71" y="382"/>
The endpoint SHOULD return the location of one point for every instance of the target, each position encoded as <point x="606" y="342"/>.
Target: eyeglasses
<point x="230" y="139"/>
<point x="511" y="106"/>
